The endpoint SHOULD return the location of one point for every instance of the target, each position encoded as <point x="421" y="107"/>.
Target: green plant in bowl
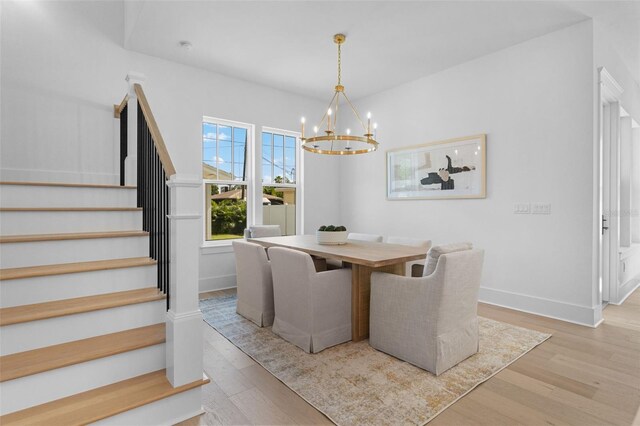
<point x="331" y="234"/>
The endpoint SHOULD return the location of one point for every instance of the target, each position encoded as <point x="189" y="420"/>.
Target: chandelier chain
<point x="339" y="64"/>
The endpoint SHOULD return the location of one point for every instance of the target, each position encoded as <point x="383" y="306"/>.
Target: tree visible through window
<point x="224" y="171"/>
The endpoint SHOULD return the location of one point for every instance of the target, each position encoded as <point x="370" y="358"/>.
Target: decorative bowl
<point x="331" y="237"/>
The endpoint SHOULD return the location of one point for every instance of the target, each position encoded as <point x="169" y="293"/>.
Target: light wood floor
<point x="581" y="376"/>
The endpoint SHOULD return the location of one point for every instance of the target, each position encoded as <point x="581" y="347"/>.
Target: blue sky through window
<point x="223" y="152"/>
<point x="224" y="148"/>
<point x="278" y="158"/>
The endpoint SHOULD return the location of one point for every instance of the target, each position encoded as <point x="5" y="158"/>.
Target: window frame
<point x="249" y="182"/>
<point x="298" y="185"/>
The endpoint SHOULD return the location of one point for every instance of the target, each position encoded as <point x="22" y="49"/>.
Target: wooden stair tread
<point x="74" y="185"/>
<point x="70" y="236"/>
<point x="39" y="311"/>
<point x="71" y="268"/>
<point x="70" y="209"/>
<point x="100" y="403"/>
<point x="57" y="356"/>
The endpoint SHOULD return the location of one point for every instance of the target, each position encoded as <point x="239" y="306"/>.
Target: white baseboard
<point x="577" y="314"/>
<point x="217" y="283"/>
<point x="218" y="289"/>
<point x="581" y="315"/>
<point x="626" y="289"/>
<point x="58" y="176"/>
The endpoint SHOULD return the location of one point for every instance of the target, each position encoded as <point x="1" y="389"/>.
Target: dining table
<point x="364" y="257"/>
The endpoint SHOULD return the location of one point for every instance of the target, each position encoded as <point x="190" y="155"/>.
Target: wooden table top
<point x="358" y="252"/>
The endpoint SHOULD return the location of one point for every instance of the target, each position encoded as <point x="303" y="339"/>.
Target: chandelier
<point x="332" y="142"/>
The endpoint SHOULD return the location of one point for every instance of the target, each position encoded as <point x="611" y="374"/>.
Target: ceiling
<point x="288" y="45"/>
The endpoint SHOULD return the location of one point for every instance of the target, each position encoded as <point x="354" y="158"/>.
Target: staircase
<point x="82" y="322"/>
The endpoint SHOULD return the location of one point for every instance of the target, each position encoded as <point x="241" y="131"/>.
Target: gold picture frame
<point x="448" y="169"/>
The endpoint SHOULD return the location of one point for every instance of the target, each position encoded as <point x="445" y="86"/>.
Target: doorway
<point x="618" y="193"/>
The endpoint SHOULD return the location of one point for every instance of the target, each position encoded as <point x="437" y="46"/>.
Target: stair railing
<point x="170" y="203"/>
<point x="153" y="168"/>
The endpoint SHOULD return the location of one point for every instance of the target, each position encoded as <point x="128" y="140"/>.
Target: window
<point x="226" y="171"/>
<point x="280" y="182"/>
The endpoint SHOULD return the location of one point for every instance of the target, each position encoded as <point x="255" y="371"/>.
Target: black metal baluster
<point x="139" y="162"/>
<point x="123" y="141"/>
<point x="152" y="163"/>
<point x="166" y="246"/>
<point x="143" y="183"/>
<point x="145" y="202"/>
<point x="154" y="214"/>
<point x="146" y="177"/>
<point x="161" y="236"/>
<point x="165" y="236"/>
<point x="168" y="255"/>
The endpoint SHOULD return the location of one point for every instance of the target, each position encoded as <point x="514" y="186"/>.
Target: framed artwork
<point x="454" y="168"/>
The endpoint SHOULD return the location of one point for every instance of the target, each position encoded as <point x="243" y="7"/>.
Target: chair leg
<point x="417" y="270"/>
<point x="320" y="264"/>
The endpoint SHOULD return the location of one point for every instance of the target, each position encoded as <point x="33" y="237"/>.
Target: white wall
<point x="57" y="95"/>
<point x="534" y="102"/>
<point x="63" y="68"/>
<point x="635" y="186"/>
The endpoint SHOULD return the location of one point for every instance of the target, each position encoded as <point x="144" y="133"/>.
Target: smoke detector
<point x="186" y="45"/>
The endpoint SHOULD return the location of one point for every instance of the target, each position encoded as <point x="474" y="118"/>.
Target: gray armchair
<point x="255" y="286"/>
<point x="431" y="321"/>
<point x="312" y="309"/>
<point x="260" y="231"/>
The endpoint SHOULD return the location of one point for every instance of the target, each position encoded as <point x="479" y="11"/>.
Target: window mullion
<point x="273" y="165"/>
<point x="217" y="150"/>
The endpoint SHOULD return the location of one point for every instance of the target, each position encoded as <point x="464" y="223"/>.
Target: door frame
<point x="606" y="161"/>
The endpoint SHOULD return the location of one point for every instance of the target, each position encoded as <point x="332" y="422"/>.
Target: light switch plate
<point x="540" y="208"/>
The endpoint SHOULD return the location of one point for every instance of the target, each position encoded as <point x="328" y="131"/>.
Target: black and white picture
<point x="453" y="168"/>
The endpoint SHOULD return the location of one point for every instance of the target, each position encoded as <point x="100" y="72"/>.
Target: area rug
<point x="353" y="384"/>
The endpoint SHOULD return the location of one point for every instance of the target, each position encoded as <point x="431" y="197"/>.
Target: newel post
<point x="184" y="319"/>
<point x="131" y="162"/>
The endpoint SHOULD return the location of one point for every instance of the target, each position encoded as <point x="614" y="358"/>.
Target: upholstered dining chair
<point x="414" y="268"/>
<point x="312" y="309"/>
<point x="430" y="321"/>
<point x="364" y="237"/>
<point x="254" y="281"/>
<point x="260" y="231"/>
